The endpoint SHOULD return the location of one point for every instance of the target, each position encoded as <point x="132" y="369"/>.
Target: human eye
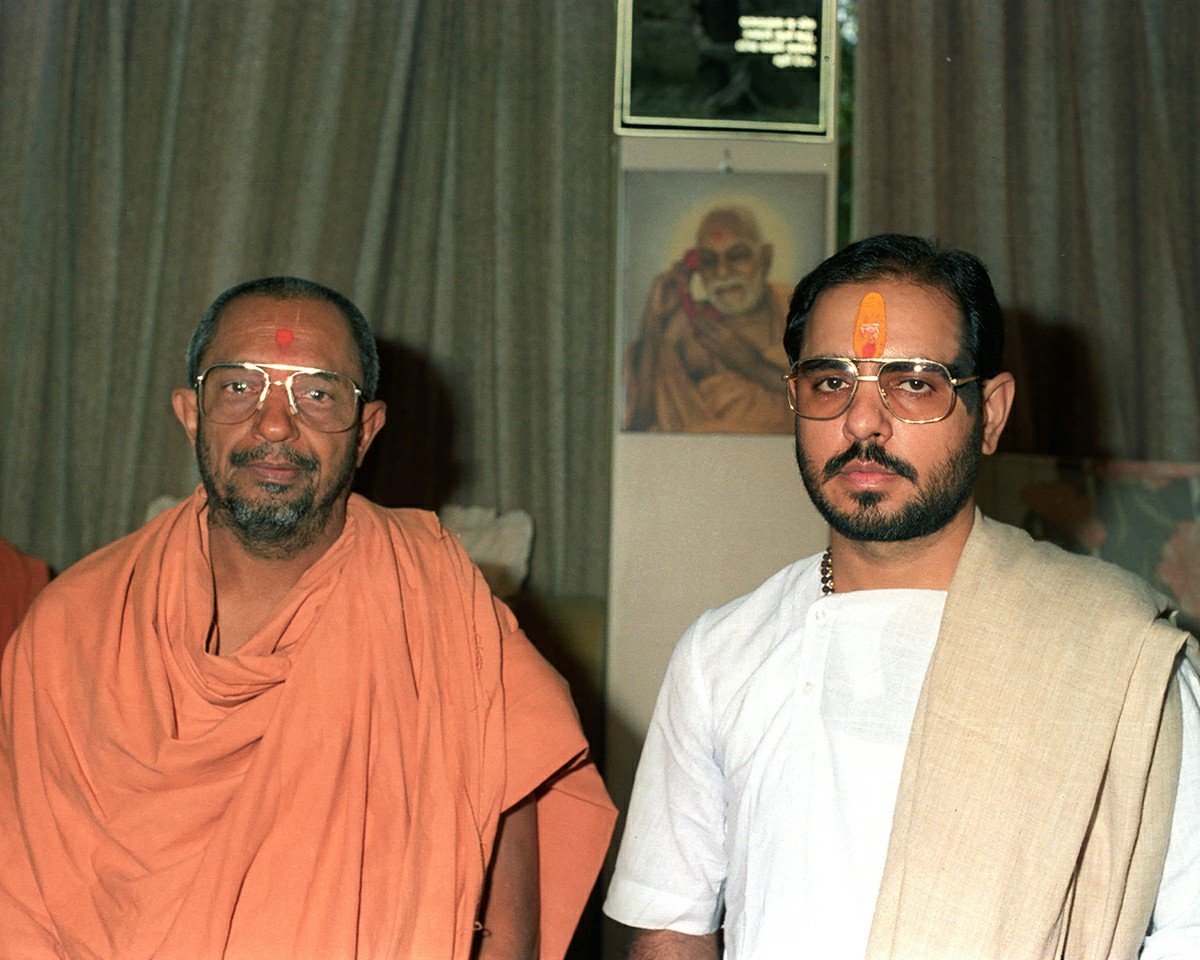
<point x="915" y="384"/>
<point x="313" y="396"/>
<point x="829" y="383"/>
<point x="914" y="380"/>
<point x="233" y="381"/>
<point x="826" y="375"/>
<point x="321" y="389"/>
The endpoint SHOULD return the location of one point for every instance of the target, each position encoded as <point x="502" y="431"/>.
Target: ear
<point x="998" y="393"/>
<point x="767" y="250"/>
<point x="374" y="415"/>
<point x="183" y="402"/>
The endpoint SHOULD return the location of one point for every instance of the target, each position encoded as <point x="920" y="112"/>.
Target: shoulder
<point x="1049" y="574"/>
<point x="740" y="634"/>
<point x="418" y="530"/>
<point x="420" y="524"/>
<point x="421" y="549"/>
<point x="113" y="563"/>
<point x="76" y="604"/>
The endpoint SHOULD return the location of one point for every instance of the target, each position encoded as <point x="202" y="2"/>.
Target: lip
<point x="270" y="471"/>
<point x="865" y="474"/>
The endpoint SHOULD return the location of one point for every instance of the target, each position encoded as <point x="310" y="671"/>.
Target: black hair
<point x="289" y="288"/>
<point x="959" y="275"/>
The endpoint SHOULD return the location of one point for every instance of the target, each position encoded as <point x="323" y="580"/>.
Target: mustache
<point x="872" y="453"/>
<point x="271" y="451"/>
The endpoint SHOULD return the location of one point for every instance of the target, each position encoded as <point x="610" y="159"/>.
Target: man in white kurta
<point x="937" y="741"/>
<point x="770" y="771"/>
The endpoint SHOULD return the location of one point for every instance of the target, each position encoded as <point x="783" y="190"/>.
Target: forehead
<point x="922" y="321"/>
<point x="303" y="333"/>
<point x="721" y="232"/>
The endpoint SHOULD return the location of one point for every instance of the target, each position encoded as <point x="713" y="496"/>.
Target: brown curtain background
<point x="1060" y="141"/>
<point x="448" y="165"/>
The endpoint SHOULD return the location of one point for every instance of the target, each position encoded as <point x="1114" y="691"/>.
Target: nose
<point x="274" y="420"/>
<point x="725" y="266"/>
<point x="867" y="418"/>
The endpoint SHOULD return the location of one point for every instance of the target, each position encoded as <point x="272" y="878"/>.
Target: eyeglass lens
<point x="823" y="387"/>
<point x="230" y="393"/>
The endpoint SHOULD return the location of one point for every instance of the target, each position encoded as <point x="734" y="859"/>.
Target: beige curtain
<point x="445" y="164"/>
<point x="1059" y="141"/>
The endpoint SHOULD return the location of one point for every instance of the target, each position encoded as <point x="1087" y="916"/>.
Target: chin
<point x="731" y="305"/>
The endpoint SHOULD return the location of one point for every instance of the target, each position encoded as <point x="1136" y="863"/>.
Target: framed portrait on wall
<point x="709" y="261"/>
<point x="749" y="66"/>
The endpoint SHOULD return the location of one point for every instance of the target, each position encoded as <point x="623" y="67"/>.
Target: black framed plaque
<point x="749" y="66"/>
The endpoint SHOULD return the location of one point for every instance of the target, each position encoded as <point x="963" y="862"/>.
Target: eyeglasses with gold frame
<point x="912" y="389"/>
<point x="230" y="393"/>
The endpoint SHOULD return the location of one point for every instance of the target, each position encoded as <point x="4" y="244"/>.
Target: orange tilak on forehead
<point x="870" y="327"/>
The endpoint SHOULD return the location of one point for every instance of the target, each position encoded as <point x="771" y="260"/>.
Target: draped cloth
<point x="21" y="578"/>
<point x="330" y="791"/>
<point x="1035" y="805"/>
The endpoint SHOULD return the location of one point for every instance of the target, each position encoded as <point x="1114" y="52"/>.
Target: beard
<point x="939" y="499"/>
<point x="736" y="297"/>
<point x="285" y="518"/>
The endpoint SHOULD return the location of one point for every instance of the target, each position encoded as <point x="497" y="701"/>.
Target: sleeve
<point x="1175" y="926"/>
<point x="670" y="871"/>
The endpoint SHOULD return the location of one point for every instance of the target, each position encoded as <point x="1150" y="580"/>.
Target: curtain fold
<point x="447" y="165"/>
<point x="1058" y="141"/>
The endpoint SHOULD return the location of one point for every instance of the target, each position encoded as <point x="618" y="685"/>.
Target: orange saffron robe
<point x="21" y="578"/>
<point x="330" y="791"/>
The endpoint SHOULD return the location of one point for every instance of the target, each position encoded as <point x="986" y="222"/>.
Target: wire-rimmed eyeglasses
<point x="913" y="390"/>
<point x="231" y="392"/>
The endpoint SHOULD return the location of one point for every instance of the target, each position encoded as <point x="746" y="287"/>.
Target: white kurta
<point x="770" y="772"/>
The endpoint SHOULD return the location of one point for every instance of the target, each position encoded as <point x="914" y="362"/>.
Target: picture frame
<point x="686" y="327"/>
<point x="727" y="68"/>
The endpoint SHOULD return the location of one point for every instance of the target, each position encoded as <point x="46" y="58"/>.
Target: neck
<point x="237" y="563"/>
<point x="927" y="563"/>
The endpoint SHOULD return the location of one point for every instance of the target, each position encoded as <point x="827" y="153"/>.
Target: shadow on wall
<point x="412" y="462"/>
<point x="1059" y="408"/>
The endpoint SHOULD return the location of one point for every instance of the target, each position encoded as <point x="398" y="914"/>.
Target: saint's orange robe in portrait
<point x="21" y="578"/>
<point x="662" y="394"/>
<point x="329" y="792"/>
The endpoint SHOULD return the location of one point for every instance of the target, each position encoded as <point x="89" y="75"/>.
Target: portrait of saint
<point x="704" y="348"/>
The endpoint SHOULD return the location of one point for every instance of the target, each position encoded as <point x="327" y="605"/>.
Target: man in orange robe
<point x="279" y="721"/>
<point x="21" y="578"/>
<point x="715" y="363"/>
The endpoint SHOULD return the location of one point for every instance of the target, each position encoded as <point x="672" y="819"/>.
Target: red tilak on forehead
<point x="284" y="337"/>
<point x="716" y="235"/>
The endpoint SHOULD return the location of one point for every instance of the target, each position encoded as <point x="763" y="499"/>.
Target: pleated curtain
<point x="1059" y="140"/>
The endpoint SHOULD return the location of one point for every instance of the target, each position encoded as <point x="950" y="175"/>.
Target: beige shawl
<point x="1036" y="798"/>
